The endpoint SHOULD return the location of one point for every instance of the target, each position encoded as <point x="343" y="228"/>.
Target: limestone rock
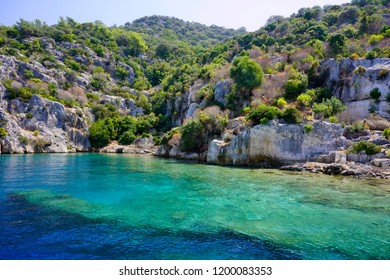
<point x="354" y="88"/>
<point x="58" y="129"/>
<point x="277" y="144"/>
<point x="382" y="163"/>
<point x="222" y="88"/>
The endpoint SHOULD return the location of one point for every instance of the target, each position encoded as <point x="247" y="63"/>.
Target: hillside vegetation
<point x="164" y="65"/>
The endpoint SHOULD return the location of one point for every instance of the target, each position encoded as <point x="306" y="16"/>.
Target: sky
<point x="250" y="14"/>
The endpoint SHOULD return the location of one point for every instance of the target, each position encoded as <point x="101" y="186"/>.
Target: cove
<point x="97" y="206"/>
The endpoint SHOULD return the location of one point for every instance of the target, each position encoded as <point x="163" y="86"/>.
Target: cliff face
<point x="37" y="124"/>
<point x="41" y="125"/>
<point x="353" y="80"/>
<point x="276" y="144"/>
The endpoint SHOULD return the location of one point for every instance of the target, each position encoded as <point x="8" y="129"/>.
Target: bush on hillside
<point x="246" y="73"/>
<point x="260" y="113"/>
<point x="365" y="146"/>
<point x="292" y="116"/>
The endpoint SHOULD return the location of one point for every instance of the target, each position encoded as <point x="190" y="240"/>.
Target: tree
<point x="246" y="73"/>
<point x="337" y="42"/>
<point x="329" y="107"/>
<point x="163" y="51"/>
<point x="349" y="15"/>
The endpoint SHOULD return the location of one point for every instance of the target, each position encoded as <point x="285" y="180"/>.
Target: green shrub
<point x="75" y="66"/>
<point x="99" y="134"/>
<point x="263" y="112"/>
<point x="292" y="116"/>
<point x="246" y="73"/>
<point x="98" y="70"/>
<point x="295" y="86"/>
<point x="121" y="73"/>
<point x="3" y="132"/>
<point x="304" y="99"/>
<point x="356" y="127"/>
<point x="308" y="127"/>
<point x="264" y="121"/>
<point x="281" y="102"/>
<point x="329" y="107"/>
<point x="360" y="70"/>
<point x="365" y="146"/>
<point x="92" y="96"/>
<point x="127" y="138"/>
<point x="23" y="139"/>
<point x="386" y="133"/>
<point x="16" y="92"/>
<point x="28" y="74"/>
<point x="375" y="94"/>
<point x="374" y="39"/>
<point x="192" y="134"/>
<point x="107" y="110"/>
<point x="333" y="119"/>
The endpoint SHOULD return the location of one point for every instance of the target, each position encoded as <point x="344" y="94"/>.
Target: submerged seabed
<point x="92" y="206"/>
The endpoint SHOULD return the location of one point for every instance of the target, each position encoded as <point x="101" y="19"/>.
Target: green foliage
<point x="197" y="133"/>
<point x="304" y="99"/>
<point x="28" y="74"/>
<point x="333" y="119"/>
<point x="171" y="29"/>
<point x="291" y="115"/>
<point x="386" y="133"/>
<point x="163" y="51"/>
<point x="157" y="72"/>
<point x="17" y="92"/>
<point x="107" y="110"/>
<point x="262" y="112"/>
<point x="23" y="139"/>
<point x="3" y="132"/>
<point x="329" y="107"/>
<point x="121" y="73"/>
<point x="374" y="39"/>
<point x="29" y="115"/>
<point x="127" y="138"/>
<point x="356" y="127"/>
<point x="375" y="94"/>
<point x="75" y="66"/>
<point x="99" y="134"/>
<point x="295" y="85"/>
<point x="12" y="33"/>
<point x="307" y="128"/>
<point x="360" y="70"/>
<point x="281" y="102"/>
<point x="92" y="96"/>
<point x="192" y="134"/>
<point x="337" y="43"/>
<point x="364" y="146"/>
<point x="98" y="70"/>
<point x="246" y="73"/>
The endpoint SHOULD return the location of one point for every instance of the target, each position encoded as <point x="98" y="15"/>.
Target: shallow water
<point x="93" y="206"/>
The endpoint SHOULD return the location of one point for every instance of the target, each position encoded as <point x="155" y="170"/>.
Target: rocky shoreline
<point x="375" y="170"/>
<point x="141" y="146"/>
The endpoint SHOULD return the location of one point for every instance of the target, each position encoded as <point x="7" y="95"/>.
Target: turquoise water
<point x="93" y="206"/>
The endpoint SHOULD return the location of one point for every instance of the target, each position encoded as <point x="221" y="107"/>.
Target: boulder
<point x="275" y="144"/>
<point x="381" y="162"/>
<point x="222" y="88"/>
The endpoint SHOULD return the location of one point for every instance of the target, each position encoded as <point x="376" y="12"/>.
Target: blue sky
<point x="251" y="14"/>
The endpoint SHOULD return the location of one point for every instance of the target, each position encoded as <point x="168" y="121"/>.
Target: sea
<point x="132" y="207"/>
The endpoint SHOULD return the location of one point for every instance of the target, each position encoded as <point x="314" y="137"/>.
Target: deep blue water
<point x="92" y="206"/>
